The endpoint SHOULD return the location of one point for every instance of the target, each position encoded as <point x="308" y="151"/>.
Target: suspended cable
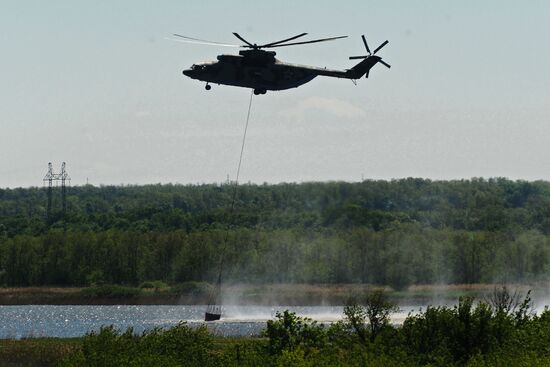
<point x="213" y="308"/>
<point x="242" y="151"/>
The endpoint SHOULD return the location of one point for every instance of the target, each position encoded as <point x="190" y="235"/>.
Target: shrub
<point x="374" y="308"/>
<point x="180" y="345"/>
<point x="154" y="284"/>
<point x="95" y="278"/>
<point x="289" y="331"/>
<point x="456" y="334"/>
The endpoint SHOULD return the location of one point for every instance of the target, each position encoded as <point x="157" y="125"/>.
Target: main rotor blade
<point x="313" y="41"/>
<point x="200" y="40"/>
<point x="242" y="39"/>
<point x="385" y="64"/>
<point x="202" y="43"/>
<point x="286" y="40"/>
<point x="365" y="42"/>
<point x="357" y="57"/>
<point x="379" y="47"/>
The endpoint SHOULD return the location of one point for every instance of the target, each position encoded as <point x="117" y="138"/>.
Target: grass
<point x="36" y="351"/>
<point x="45" y="352"/>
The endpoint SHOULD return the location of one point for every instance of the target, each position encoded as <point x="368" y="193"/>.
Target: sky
<point x="98" y="84"/>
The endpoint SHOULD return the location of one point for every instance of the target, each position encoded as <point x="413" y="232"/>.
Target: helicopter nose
<point x="188" y="72"/>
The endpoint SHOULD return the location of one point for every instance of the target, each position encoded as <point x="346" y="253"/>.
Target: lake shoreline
<point x="261" y="295"/>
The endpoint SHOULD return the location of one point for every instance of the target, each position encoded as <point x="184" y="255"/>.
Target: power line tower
<point x="49" y="178"/>
<point x="64" y="176"/>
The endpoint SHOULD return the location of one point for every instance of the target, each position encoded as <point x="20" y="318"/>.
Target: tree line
<point x="401" y="256"/>
<point x="399" y="232"/>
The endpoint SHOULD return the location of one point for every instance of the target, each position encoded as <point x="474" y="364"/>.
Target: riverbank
<point x="193" y="293"/>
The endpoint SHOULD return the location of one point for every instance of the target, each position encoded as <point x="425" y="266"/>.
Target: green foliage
<point x="405" y="255"/>
<point x="96" y="278"/>
<point x="476" y="204"/>
<point x="461" y="333"/>
<point x="157" y="285"/>
<point x="43" y="352"/>
<point x="288" y="332"/>
<point x="396" y="233"/>
<point x="179" y="345"/>
<point x="373" y="309"/>
<point x="356" y="320"/>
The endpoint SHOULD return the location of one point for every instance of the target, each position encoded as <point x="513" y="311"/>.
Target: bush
<point x="95" y="278"/>
<point x="456" y="334"/>
<point x="154" y="284"/>
<point x="180" y="345"/>
<point x="375" y="308"/>
<point x="289" y="331"/>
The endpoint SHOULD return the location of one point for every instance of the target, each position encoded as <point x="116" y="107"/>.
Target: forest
<point x="396" y="233"/>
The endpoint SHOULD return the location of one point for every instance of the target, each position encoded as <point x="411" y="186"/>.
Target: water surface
<point x="73" y="321"/>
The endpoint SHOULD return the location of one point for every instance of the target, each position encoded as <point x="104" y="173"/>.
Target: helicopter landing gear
<point x="259" y="91"/>
<point x="207" y="86"/>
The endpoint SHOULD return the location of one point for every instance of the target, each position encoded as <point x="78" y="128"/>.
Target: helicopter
<point x="258" y="69"/>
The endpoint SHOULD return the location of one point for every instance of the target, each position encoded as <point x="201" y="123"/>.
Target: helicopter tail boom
<point x="363" y="67"/>
<point x="368" y="62"/>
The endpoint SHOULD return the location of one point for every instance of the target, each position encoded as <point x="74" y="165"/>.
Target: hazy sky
<point x="96" y="84"/>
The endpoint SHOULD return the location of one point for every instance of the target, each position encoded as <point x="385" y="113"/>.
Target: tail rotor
<point x="371" y="54"/>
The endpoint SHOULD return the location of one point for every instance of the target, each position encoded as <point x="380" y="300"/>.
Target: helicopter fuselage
<point x="238" y="71"/>
<point x="259" y="70"/>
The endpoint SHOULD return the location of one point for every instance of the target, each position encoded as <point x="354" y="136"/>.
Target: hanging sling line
<point x="214" y="308"/>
